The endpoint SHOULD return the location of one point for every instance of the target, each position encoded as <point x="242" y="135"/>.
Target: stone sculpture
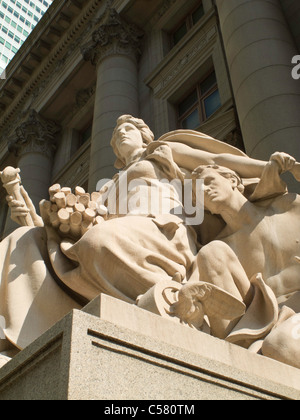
<point x="107" y="242"/>
<point x="260" y="248"/>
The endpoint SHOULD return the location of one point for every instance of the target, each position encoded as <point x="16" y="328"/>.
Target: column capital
<point x="35" y="135"/>
<point x="113" y="36"/>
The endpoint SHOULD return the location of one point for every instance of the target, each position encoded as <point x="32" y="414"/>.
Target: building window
<point x="4" y="58"/>
<point x="190" y="20"/>
<point x="81" y="137"/>
<point x="85" y="135"/>
<point x="202" y="102"/>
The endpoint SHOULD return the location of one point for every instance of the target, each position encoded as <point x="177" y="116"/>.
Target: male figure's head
<point x="220" y="185"/>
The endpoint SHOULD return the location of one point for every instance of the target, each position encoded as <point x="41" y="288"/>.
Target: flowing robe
<point x="43" y="277"/>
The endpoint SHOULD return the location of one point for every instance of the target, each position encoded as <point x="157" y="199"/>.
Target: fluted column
<point x="114" y="50"/>
<point x="34" y="145"/>
<point x="259" y="49"/>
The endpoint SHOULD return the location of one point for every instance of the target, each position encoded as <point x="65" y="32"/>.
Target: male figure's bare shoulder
<point x="288" y="202"/>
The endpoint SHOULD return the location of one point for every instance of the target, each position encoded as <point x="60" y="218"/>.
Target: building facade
<point x="223" y="67"/>
<point x="17" y="20"/>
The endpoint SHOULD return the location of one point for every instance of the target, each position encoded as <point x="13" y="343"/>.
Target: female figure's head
<point x="130" y="136"/>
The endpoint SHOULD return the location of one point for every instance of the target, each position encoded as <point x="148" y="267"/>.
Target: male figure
<point x="258" y="238"/>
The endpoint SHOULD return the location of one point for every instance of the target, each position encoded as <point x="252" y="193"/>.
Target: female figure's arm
<point x="189" y="158"/>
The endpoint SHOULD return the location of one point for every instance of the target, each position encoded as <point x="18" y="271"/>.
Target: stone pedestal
<point x="115" y="351"/>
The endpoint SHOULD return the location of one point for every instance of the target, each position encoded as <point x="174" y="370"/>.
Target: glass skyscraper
<point x="17" y="19"/>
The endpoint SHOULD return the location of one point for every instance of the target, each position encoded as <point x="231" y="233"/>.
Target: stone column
<point x="259" y="49"/>
<point x="34" y="145"/>
<point x="114" y="50"/>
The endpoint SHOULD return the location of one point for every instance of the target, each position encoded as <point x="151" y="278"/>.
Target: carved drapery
<point x="113" y="36"/>
<point x="35" y="135"/>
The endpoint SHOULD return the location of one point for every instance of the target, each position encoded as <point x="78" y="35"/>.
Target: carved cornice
<point x="48" y="66"/>
<point x="113" y="36"/>
<point x="35" y="135"/>
<point x="164" y="9"/>
<point x="83" y="96"/>
<point x="183" y="61"/>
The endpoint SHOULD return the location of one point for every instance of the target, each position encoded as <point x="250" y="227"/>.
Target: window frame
<point x="188" y="21"/>
<point x="83" y="138"/>
<point x="200" y="104"/>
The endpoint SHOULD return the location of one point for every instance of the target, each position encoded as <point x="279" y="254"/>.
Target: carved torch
<point x="11" y="182"/>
